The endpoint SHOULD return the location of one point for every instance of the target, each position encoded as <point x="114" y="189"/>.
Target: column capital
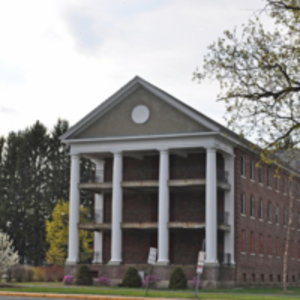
<point x="117" y="153"/>
<point x="75" y="156"/>
<point x="163" y="150"/>
<point x="211" y="149"/>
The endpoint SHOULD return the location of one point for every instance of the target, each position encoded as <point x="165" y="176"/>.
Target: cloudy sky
<point x="62" y="58"/>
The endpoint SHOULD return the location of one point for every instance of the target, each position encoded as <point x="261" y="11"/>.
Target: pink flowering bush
<point x="153" y="279"/>
<point x="68" y="279"/>
<point x="194" y="281"/>
<point x="103" y="281"/>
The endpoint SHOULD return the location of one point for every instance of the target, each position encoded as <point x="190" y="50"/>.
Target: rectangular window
<point x="260" y="211"/>
<point x="277" y="214"/>
<point x="284" y="185"/>
<point x="252" y="166"/>
<point x="243" y="211"/>
<point x="291" y="188"/>
<point x="251" y="242"/>
<point x="269" y="245"/>
<point x="260" y="179"/>
<point x="277" y="246"/>
<point x="252" y="209"/>
<point x="242" y="165"/>
<point x="269" y="176"/>
<point x="285" y="217"/>
<point x="277" y="183"/>
<point x="262" y="277"/>
<point x="269" y="211"/>
<point x="253" y="277"/>
<point x="271" y="278"/>
<point x="260" y="244"/>
<point x="242" y="241"/>
<point x="279" y="278"/>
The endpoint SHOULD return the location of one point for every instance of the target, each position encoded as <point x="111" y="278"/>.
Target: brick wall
<point x="261" y="266"/>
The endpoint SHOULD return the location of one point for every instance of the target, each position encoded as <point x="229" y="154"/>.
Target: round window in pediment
<point x="140" y="114"/>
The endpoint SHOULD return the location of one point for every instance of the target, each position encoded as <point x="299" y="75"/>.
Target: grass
<point x="243" y="294"/>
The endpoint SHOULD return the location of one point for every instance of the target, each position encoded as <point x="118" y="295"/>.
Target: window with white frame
<point x="252" y="207"/>
<point x="269" y="213"/>
<point x="277" y="183"/>
<point x="243" y="165"/>
<point x="277" y="214"/>
<point x="252" y="167"/>
<point x="260" y="174"/>
<point x="260" y="210"/>
<point x="243" y="208"/>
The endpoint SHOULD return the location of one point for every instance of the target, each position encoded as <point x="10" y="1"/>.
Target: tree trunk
<point x="287" y="242"/>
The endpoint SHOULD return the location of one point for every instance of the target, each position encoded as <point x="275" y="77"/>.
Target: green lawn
<point x="244" y="294"/>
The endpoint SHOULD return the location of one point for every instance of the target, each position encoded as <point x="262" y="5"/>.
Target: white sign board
<point x="152" y="256"/>
<point x="201" y="258"/>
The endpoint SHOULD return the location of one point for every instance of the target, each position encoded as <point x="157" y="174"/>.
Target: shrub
<point x="103" y="281"/>
<point x="194" y="281"/>
<point x="22" y="273"/>
<point x="132" y="278"/>
<point x="54" y="273"/>
<point x="84" y="276"/>
<point x="39" y="274"/>
<point x="153" y="279"/>
<point x="68" y="280"/>
<point x="178" y="279"/>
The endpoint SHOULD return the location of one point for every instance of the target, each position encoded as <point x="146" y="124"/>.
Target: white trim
<point x="123" y="93"/>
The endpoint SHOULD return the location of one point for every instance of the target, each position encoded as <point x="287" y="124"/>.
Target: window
<point x="251" y="242"/>
<point x="242" y="165"/>
<point x="243" y="211"/>
<point x="279" y="278"/>
<point x="260" y="248"/>
<point x="277" y="183"/>
<point x="271" y="278"/>
<point x="269" y="245"/>
<point x="242" y="241"/>
<point x="284" y="184"/>
<point x="269" y="176"/>
<point x="284" y="217"/>
<point x="277" y="246"/>
<point x="252" y="209"/>
<point x="269" y="211"/>
<point x="291" y="188"/>
<point x="277" y="214"/>
<point x="262" y="278"/>
<point x="253" y="277"/>
<point x="244" y="278"/>
<point x="260" y="209"/>
<point x="260" y="179"/>
<point x="252" y="166"/>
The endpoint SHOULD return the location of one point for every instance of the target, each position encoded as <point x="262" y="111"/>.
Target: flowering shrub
<point x="152" y="280"/>
<point x="194" y="281"/>
<point x="68" y="279"/>
<point x="103" y="281"/>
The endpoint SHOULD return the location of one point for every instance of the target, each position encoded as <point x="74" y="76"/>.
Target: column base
<point x="211" y="264"/>
<point x="97" y="262"/>
<point x="71" y="262"/>
<point x="114" y="263"/>
<point x="162" y="263"/>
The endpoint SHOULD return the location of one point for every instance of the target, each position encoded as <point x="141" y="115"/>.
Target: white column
<point x="117" y="203"/>
<point x="163" y="209"/>
<point x="74" y="211"/>
<point x="98" y="235"/>
<point x="211" y="207"/>
<point x="229" y="207"/>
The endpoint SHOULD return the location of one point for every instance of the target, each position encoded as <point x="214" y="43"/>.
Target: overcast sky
<point x="62" y="58"/>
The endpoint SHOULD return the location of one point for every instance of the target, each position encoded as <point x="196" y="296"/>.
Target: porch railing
<point x="91" y="177"/>
<point x="223" y="217"/>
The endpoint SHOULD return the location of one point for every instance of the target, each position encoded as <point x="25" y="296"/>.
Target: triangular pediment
<point x="139" y="109"/>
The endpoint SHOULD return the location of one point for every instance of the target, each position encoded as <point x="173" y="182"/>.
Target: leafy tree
<point x="8" y="257"/>
<point x="58" y="233"/>
<point x="259" y="75"/>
